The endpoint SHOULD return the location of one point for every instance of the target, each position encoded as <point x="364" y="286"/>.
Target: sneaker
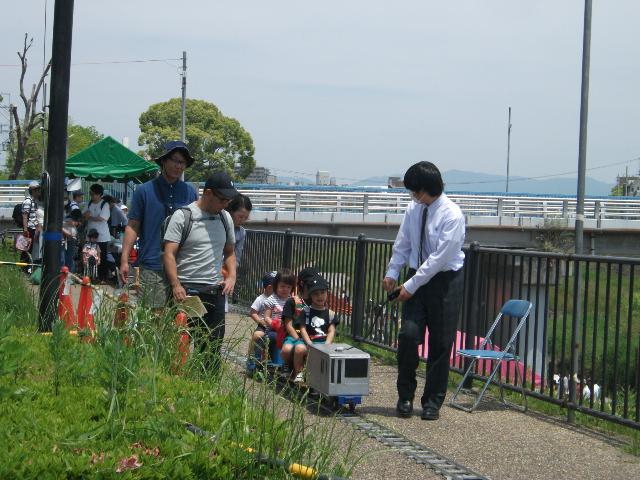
<point x="251" y="368"/>
<point x="299" y="378"/>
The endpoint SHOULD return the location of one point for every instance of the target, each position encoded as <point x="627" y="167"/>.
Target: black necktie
<point x="425" y="214"/>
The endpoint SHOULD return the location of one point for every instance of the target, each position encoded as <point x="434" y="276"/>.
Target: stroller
<point x="91" y="255"/>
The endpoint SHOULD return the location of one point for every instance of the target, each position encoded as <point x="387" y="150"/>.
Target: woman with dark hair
<point x="239" y="208"/>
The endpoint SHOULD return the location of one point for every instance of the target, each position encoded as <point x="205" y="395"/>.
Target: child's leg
<point x="255" y="338"/>
<point x="270" y="349"/>
<point x="285" y="353"/>
<point x="299" y="357"/>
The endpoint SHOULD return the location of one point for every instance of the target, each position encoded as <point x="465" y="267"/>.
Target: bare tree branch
<point x="32" y="118"/>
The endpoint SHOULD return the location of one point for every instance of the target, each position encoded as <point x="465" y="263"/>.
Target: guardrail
<point x="388" y="207"/>
<point x="604" y="338"/>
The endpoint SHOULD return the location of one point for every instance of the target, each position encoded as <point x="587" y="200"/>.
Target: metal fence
<point x="585" y="312"/>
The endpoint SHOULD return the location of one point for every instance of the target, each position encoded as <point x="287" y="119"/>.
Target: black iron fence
<point x="584" y="317"/>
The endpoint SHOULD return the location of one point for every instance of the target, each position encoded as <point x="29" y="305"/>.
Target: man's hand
<point x="179" y="294"/>
<point x="389" y="284"/>
<point x="404" y="295"/>
<point x="124" y="270"/>
<point x="229" y="284"/>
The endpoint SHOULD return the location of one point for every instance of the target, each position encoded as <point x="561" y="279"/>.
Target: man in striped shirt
<point x="29" y="216"/>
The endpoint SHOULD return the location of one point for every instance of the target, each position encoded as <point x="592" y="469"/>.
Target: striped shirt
<point x="30" y="207"/>
<point x="276" y="304"/>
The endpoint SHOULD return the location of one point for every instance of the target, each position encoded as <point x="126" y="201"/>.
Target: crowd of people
<point x="190" y="246"/>
<point x="89" y="231"/>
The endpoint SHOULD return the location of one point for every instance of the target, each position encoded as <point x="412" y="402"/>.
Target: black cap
<point x="268" y="279"/>
<point x="92" y="233"/>
<point x="221" y="183"/>
<point x="317" y="283"/>
<point x="306" y="274"/>
<point x="171" y="147"/>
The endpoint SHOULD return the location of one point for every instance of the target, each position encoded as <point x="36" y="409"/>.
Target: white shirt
<point x="101" y="226"/>
<point x="259" y="304"/>
<point x="442" y="249"/>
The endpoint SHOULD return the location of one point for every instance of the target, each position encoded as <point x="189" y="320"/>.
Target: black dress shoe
<point x="404" y="408"/>
<point x="430" y="413"/>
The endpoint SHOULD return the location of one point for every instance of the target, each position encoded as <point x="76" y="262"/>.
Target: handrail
<point x="393" y="202"/>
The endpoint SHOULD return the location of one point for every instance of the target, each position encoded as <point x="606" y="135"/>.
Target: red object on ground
<point x="133" y="255"/>
<point x="122" y="314"/>
<point x="183" y="342"/>
<point x="85" y="317"/>
<point x="65" y="304"/>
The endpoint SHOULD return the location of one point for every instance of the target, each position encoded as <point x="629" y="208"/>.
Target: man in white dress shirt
<point x="430" y="242"/>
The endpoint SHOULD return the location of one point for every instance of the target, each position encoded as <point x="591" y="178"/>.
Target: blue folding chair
<point x="514" y="309"/>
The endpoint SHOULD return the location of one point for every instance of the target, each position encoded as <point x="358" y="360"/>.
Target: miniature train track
<point x="417" y="452"/>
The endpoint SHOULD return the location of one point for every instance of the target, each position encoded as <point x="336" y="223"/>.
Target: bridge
<point x="611" y="226"/>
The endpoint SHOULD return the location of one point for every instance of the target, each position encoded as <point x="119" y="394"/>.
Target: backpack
<point x="188" y="224"/>
<point x="17" y="215"/>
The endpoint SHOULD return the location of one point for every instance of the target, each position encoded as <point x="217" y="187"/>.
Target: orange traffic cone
<point x="65" y="304"/>
<point x="85" y="313"/>
<point x="183" y="342"/>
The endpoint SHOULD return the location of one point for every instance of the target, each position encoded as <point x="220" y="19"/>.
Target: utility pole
<point x="508" y="147"/>
<point x="44" y="127"/>
<point x="579" y="227"/>
<point x="183" y="131"/>
<point x="56" y="156"/>
<point x="44" y="90"/>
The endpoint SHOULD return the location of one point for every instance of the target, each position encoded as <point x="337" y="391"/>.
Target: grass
<point x="75" y="408"/>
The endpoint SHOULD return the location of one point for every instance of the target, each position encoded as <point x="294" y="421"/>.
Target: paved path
<point x="494" y="441"/>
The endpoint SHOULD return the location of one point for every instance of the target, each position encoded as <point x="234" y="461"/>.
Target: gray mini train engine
<point x="340" y="372"/>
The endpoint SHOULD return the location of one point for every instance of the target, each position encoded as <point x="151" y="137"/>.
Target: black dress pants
<point x="435" y="306"/>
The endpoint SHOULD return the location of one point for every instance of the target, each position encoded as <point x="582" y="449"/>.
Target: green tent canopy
<point x="108" y="160"/>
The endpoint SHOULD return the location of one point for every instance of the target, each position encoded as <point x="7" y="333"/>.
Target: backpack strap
<point x="223" y="219"/>
<point x="102" y="204"/>
<point x="188" y="223"/>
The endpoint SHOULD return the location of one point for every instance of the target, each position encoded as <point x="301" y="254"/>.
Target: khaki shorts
<point x="154" y="290"/>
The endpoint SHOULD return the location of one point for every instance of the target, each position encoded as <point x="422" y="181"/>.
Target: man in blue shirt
<point x="151" y="203"/>
<point x="430" y="242"/>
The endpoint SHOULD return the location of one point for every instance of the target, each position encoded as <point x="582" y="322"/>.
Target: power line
<point x="110" y="62"/>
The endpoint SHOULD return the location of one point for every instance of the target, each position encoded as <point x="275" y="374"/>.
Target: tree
<point x="31" y="119"/>
<point x="78" y="138"/>
<point x="617" y="191"/>
<point x="215" y="141"/>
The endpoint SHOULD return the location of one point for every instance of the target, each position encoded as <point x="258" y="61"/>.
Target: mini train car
<point x="340" y="372"/>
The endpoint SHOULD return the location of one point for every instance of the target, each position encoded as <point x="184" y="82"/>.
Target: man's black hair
<point x="97" y="189"/>
<point x="238" y="202"/>
<point x="424" y="176"/>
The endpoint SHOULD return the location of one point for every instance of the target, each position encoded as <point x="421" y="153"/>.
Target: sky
<point x="361" y="88"/>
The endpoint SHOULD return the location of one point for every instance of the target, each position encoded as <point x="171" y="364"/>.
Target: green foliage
<point x="121" y="400"/>
<point x="215" y="141"/>
<point x="555" y="236"/>
<point x="78" y="138"/>
<point x="617" y="191"/>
